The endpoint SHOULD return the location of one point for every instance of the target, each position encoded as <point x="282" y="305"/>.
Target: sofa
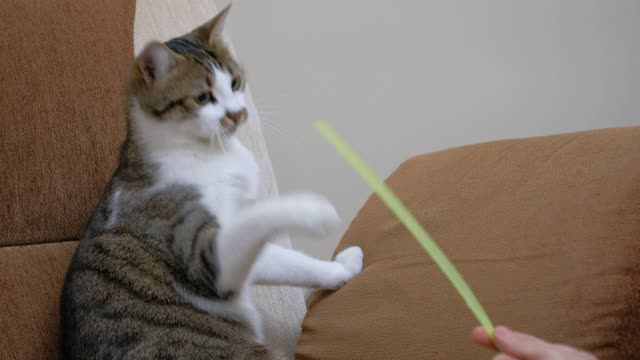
<point x="545" y="230"/>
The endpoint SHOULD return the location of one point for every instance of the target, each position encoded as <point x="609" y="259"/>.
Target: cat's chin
<point x="221" y="137"/>
<point x="230" y="124"/>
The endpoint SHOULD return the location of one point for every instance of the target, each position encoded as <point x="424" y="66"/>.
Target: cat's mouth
<point x="232" y="120"/>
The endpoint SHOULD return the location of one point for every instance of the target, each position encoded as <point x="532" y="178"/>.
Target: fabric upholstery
<point x="31" y="278"/>
<point x="61" y="112"/>
<point x="545" y="230"/>
<point x="62" y="108"/>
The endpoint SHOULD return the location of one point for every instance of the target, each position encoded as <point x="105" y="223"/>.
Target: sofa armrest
<point x="545" y="230"/>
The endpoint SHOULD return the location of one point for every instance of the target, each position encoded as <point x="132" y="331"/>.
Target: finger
<point x="479" y="336"/>
<point x="587" y="356"/>
<point x="503" y="357"/>
<point x="573" y="353"/>
<point x="521" y="345"/>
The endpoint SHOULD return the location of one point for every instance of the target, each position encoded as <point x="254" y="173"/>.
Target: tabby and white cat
<point x="166" y="261"/>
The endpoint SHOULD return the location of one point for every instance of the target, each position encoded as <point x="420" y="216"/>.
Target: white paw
<point x="310" y="213"/>
<point x="350" y="264"/>
<point x="351" y="259"/>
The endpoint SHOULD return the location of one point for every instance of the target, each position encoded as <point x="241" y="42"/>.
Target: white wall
<point x="399" y="78"/>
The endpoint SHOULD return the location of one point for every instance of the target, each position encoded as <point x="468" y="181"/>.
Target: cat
<point x="168" y="256"/>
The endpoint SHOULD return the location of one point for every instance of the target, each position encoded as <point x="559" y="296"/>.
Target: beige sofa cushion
<point x="282" y="307"/>
<point x="545" y="230"/>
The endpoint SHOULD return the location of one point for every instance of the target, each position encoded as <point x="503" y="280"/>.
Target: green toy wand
<point x="409" y="221"/>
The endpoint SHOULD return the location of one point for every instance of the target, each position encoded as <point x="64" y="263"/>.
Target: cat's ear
<point x="155" y="62"/>
<point x="214" y="30"/>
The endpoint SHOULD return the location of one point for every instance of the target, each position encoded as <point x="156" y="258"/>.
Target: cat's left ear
<point x="214" y="30"/>
<point x="155" y="62"/>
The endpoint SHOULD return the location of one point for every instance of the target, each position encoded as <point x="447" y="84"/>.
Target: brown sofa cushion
<point x="545" y="230"/>
<point x="31" y="278"/>
<point x="61" y="111"/>
<point x="61" y="119"/>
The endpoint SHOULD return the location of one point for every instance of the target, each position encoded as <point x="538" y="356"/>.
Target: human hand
<point x="513" y="345"/>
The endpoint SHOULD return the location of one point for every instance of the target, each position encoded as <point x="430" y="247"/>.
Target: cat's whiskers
<point x="288" y="98"/>
<point x="214" y="141"/>
<point x="266" y="119"/>
<point x="264" y="104"/>
<point x="220" y="135"/>
<point x="269" y="107"/>
<point x="225" y="138"/>
<point x="272" y="126"/>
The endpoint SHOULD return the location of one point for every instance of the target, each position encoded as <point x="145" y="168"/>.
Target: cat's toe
<point x="351" y="258"/>
<point x="338" y="278"/>
<point x="350" y="264"/>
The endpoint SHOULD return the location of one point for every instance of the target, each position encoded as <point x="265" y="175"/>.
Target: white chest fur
<point x="226" y="175"/>
<point x="228" y="178"/>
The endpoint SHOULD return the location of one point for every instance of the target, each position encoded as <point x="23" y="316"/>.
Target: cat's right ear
<point x="215" y="29"/>
<point x="155" y="62"/>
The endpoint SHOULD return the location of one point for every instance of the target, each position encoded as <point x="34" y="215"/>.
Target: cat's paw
<point x="309" y="213"/>
<point x="351" y="259"/>
<point x="350" y="264"/>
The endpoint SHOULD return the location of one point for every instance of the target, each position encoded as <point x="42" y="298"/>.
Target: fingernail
<point x="502" y="333"/>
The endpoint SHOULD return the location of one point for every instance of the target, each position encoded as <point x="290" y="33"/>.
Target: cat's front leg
<point x="277" y="265"/>
<point x="313" y="215"/>
<point x="304" y="213"/>
<point x="241" y="239"/>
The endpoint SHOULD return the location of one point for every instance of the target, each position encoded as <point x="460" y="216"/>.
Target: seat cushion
<point x="545" y="230"/>
<point x="31" y="277"/>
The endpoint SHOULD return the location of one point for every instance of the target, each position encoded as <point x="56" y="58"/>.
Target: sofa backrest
<point x="63" y="69"/>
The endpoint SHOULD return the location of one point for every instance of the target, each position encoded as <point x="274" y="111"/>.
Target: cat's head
<point x="190" y="87"/>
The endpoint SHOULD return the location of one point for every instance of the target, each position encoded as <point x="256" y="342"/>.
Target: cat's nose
<point x="238" y="116"/>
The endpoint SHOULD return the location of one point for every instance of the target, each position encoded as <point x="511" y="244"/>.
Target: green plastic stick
<point x="414" y="227"/>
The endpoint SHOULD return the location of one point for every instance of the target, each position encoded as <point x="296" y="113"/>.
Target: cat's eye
<point x="203" y="98"/>
<point x="234" y="84"/>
